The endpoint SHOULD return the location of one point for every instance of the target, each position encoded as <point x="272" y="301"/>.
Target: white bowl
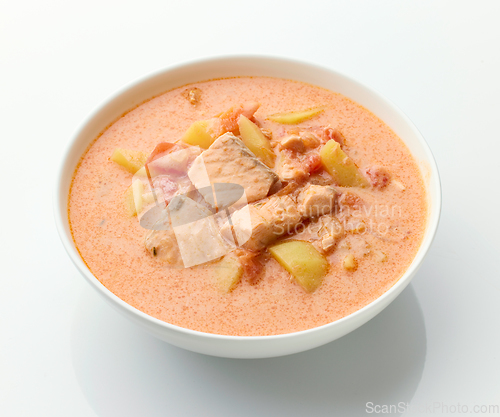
<point x="178" y="75"/>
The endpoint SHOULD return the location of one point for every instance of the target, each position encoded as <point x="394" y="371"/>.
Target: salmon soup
<point x="248" y="206"/>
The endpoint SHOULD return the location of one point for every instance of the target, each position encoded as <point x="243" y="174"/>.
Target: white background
<point x="63" y="352"/>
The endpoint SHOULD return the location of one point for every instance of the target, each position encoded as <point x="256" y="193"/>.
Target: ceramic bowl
<point x="220" y="67"/>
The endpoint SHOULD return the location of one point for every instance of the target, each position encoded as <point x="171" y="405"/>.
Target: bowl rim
<point x="62" y="225"/>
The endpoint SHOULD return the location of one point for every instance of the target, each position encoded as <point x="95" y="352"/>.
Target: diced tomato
<point x="162" y="149"/>
<point x="349" y="200"/>
<point x="252" y="265"/>
<point x="334" y="134"/>
<point x="378" y="177"/>
<point x="313" y="163"/>
<point x="229" y="119"/>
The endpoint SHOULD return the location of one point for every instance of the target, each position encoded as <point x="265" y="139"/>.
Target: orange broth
<point x="112" y="243"/>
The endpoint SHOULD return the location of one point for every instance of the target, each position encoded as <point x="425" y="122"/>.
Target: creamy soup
<point x="331" y="214"/>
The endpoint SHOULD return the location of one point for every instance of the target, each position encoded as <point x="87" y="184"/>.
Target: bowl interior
<point x="176" y="76"/>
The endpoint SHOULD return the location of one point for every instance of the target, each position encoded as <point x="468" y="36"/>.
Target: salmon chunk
<point x="316" y="200"/>
<point x="329" y="233"/>
<point x="294" y="143"/>
<point x="228" y="160"/>
<point x="324" y="233"/>
<point x="281" y="213"/>
<point x="290" y="168"/>
<point x="258" y="225"/>
<point x="252" y="231"/>
<point x="162" y="245"/>
<point x="193" y="237"/>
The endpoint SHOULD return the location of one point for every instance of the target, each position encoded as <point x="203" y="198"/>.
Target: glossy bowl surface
<point x="221" y="67"/>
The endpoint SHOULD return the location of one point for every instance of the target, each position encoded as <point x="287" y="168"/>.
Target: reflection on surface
<point x="125" y="372"/>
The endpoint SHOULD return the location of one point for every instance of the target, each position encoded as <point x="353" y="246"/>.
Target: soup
<point x="287" y="207"/>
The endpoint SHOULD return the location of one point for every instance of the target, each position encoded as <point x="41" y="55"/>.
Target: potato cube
<point x="255" y="140"/>
<point x="129" y="202"/>
<point x="296" y="117"/>
<point x="307" y="266"/>
<point x="133" y="198"/>
<point x="341" y="167"/>
<point x="132" y="161"/>
<point x="141" y="173"/>
<point x="228" y="272"/>
<point x="202" y="133"/>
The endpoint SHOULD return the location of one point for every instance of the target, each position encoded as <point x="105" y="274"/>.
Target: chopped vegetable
<point x="202" y="133"/>
<point x="341" y="167"/>
<point x="129" y="202"/>
<point x="378" y="177"/>
<point x="255" y="140"/>
<point x="141" y="173"/>
<point x="296" y="117"/>
<point x="148" y="198"/>
<point x="228" y="272"/>
<point x="133" y="198"/>
<point x="350" y="263"/>
<point x="303" y="261"/>
<point x="131" y="160"/>
<point x="229" y="119"/>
